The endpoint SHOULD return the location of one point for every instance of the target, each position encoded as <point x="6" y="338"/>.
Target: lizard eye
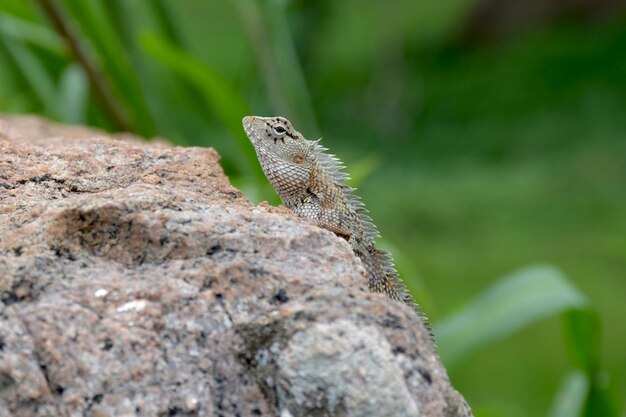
<point x="298" y="159"/>
<point x="279" y="130"/>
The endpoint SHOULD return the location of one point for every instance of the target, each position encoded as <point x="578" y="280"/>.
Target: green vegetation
<point x="476" y="160"/>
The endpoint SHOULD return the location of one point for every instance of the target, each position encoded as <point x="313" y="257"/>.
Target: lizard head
<point x="275" y="137"/>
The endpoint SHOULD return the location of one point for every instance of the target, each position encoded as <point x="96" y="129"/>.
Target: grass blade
<point x="582" y="329"/>
<point x="278" y="62"/>
<point x="513" y="302"/>
<point x="166" y="22"/>
<point x="96" y="26"/>
<point x="35" y="74"/>
<point x="32" y="33"/>
<point x="223" y="98"/>
<point x="73" y="89"/>
<point x="570" y="399"/>
<point x="363" y="168"/>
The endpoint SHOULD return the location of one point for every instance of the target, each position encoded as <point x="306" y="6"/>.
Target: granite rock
<point x="135" y="280"/>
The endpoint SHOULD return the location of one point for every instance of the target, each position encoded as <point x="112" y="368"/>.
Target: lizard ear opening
<point x="298" y="159"/>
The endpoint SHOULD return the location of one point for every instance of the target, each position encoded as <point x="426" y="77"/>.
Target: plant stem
<point x="111" y="108"/>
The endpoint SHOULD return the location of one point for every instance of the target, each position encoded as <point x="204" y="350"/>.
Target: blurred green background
<point x="487" y="138"/>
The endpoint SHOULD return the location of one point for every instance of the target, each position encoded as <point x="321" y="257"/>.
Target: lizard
<point x="312" y="183"/>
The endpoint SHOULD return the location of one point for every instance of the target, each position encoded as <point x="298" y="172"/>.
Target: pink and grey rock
<point x="136" y="281"/>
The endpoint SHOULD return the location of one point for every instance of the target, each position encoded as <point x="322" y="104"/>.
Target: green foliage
<point x="73" y="93"/>
<point x="228" y="103"/>
<point x="95" y="22"/>
<point x="519" y="300"/>
<point x="513" y="302"/>
<point x="473" y="160"/>
<point x="570" y="399"/>
<point x="35" y="73"/>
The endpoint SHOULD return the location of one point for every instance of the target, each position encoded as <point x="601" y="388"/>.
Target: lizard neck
<point x="288" y="187"/>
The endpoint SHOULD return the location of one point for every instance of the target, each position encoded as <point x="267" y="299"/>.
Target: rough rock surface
<point x="136" y="281"/>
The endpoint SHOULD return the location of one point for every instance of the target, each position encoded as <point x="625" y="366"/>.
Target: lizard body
<point x="312" y="184"/>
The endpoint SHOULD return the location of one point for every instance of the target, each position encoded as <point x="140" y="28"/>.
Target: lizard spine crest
<point x="334" y="168"/>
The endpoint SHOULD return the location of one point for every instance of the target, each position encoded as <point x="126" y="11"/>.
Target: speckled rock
<point x="136" y="281"/>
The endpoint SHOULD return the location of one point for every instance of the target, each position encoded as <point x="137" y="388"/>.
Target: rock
<point x="136" y="281"/>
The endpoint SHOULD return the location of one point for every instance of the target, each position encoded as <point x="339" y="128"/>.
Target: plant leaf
<point x="363" y="168"/>
<point x="73" y="89"/>
<point x="35" y="74"/>
<point x="570" y="399"/>
<point x="223" y="98"/>
<point x="513" y="302"/>
<point x="582" y="330"/>
<point x="113" y="56"/>
<point x="33" y="33"/>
